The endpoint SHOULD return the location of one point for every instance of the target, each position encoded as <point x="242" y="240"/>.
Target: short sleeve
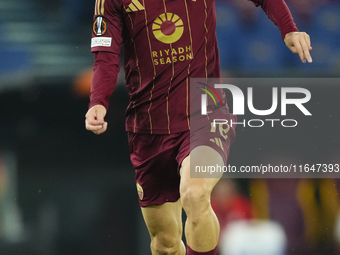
<point x="107" y="27"/>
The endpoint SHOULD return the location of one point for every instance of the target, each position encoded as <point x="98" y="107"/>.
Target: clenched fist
<point x="95" y="119"/>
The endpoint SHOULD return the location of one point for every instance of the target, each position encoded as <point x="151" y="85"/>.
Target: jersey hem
<point x="162" y="131"/>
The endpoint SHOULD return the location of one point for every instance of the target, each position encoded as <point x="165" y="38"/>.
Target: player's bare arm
<point x="299" y="43"/>
<point x="95" y="119"/>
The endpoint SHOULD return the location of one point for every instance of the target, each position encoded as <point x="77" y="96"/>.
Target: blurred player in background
<point x="165" y="44"/>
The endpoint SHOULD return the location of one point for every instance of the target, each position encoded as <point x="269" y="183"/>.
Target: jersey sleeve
<point x="104" y="80"/>
<point x="107" y="27"/>
<point x="279" y="13"/>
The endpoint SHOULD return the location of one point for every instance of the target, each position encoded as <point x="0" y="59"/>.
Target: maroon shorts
<point x="218" y="136"/>
<point x="157" y="159"/>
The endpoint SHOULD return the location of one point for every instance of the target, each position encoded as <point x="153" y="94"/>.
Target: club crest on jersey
<point x="140" y="191"/>
<point x="100" y="26"/>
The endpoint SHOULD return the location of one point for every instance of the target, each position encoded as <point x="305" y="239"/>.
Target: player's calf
<point x="202" y="227"/>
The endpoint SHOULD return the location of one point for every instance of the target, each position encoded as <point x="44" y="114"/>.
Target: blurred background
<point x="66" y="191"/>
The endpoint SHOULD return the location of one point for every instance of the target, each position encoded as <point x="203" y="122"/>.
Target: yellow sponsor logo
<point x="135" y="6"/>
<point x="168" y="28"/>
<point x="180" y="54"/>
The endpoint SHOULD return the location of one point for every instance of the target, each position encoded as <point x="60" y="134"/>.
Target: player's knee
<point x="195" y="200"/>
<point x="165" y="244"/>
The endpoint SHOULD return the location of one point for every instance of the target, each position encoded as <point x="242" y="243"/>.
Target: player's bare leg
<point x="164" y="223"/>
<point x="202" y="227"/>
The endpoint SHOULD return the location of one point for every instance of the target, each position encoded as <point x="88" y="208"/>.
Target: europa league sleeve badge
<point x="100" y="26"/>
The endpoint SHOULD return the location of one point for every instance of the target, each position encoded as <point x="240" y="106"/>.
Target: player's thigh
<point x="164" y="221"/>
<point x="200" y="156"/>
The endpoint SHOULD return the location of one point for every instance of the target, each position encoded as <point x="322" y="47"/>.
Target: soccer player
<point x="167" y="42"/>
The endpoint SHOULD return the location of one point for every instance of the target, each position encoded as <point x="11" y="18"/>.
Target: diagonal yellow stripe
<point x="133" y="7"/>
<point x="138" y="5"/>
<point x="220" y="143"/>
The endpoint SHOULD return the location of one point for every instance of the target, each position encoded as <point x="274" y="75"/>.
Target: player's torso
<point x="166" y="33"/>
<point x="165" y="43"/>
<point x="166" y="23"/>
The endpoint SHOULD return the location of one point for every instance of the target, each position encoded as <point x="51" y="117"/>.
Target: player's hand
<point x="299" y="43"/>
<point x="95" y="119"/>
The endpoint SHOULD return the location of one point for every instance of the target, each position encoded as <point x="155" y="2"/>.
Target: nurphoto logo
<point x="239" y="104"/>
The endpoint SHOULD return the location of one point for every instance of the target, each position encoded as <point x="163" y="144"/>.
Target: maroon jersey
<point x="166" y="42"/>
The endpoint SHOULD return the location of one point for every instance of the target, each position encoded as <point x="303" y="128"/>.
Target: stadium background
<point x="66" y="191"/>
